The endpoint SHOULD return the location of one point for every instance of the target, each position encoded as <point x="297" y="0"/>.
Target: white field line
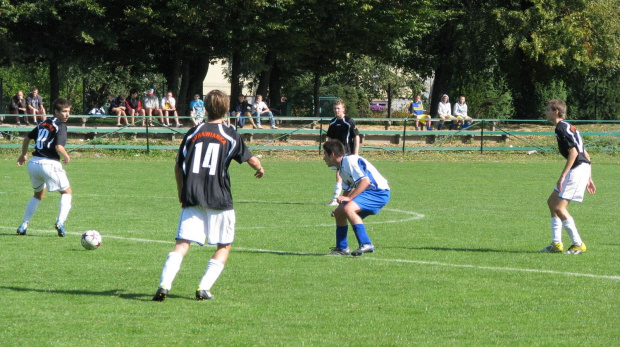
<point x="402" y="261"/>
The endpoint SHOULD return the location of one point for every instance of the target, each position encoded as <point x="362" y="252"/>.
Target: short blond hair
<point x="216" y="104"/>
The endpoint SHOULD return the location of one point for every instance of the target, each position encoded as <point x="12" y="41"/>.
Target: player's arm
<point x="361" y="186"/>
<point x="356" y="141"/>
<point x="178" y="175"/>
<point x="62" y="151"/>
<point x="590" y="187"/>
<point x="256" y="165"/>
<point x="24" y="156"/>
<point x="570" y="160"/>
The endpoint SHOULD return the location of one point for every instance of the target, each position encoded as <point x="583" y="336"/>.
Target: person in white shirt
<point x="151" y="106"/>
<point x="444" y="112"/>
<point x="460" y="112"/>
<point x="169" y="107"/>
<point x="260" y="110"/>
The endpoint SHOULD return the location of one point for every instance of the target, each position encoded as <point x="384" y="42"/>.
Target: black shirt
<point x="48" y="134"/>
<point x="568" y="136"/>
<point x="204" y="156"/>
<point x="344" y="130"/>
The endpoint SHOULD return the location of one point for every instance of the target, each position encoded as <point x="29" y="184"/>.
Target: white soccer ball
<point x="91" y="239"/>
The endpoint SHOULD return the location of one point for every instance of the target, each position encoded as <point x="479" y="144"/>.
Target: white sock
<point x="31" y="208"/>
<point x="64" y="207"/>
<point x="556" y="229"/>
<point x="571" y="229"/>
<point x="170" y="270"/>
<point x="337" y="189"/>
<point x="214" y="269"/>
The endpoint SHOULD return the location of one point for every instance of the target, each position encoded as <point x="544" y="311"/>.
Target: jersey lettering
<point x="43" y="135"/>
<point x="210" y="160"/>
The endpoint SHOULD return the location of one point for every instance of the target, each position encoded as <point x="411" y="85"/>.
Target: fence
<point x="308" y="133"/>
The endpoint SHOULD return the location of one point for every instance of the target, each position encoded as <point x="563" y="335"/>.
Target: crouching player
<point x="366" y="192"/>
<point x="575" y="178"/>
<point x="45" y="169"/>
<point x="203" y="187"/>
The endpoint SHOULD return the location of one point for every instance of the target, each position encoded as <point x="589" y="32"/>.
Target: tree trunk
<point x="265" y="75"/>
<point x="317" y="104"/>
<point x="441" y="85"/>
<point x="54" y="85"/>
<point x="185" y="96"/>
<point x="235" y="87"/>
<point x="275" y="86"/>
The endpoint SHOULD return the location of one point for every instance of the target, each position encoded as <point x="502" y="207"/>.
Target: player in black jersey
<point x="342" y="128"/>
<point x="576" y="177"/>
<point x="45" y="170"/>
<point x="203" y="186"/>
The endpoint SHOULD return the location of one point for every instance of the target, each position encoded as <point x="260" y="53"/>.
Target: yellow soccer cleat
<point x="553" y="248"/>
<point x="574" y="249"/>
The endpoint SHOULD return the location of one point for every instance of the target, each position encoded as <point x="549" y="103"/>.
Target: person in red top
<point x="134" y="107"/>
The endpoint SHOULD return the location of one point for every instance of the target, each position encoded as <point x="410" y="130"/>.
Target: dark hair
<point x="60" y="103"/>
<point x="133" y="91"/>
<point x="121" y="97"/>
<point x="333" y="146"/>
<point x="216" y="104"/>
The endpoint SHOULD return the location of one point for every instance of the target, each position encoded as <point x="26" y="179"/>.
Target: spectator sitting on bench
<point x="460" y="112"/>
<point x="118" y="108"/>
<point x="444" y="112"/>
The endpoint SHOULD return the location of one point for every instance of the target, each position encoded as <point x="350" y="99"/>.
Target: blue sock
<point x="341" y="236"/>
<point x="360" y="233"/>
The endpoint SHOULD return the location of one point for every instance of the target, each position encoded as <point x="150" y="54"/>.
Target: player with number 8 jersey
<point x="203" y="187"/>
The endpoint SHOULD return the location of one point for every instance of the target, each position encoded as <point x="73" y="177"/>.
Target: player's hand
<point x="66" y="160"/>
<point x="22" y="159"/>
<point x="259" y="173"/>
<point x="560" y="183"/>
<point x="342" y="199"/>
<point x="591" y="187"/>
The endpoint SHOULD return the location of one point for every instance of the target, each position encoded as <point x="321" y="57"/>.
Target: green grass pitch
<point x="456" y="260"/>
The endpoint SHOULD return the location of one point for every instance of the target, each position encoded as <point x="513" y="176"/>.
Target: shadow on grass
<point x="451" y="249"/>
<point x="111" y="292"/>
<point x="279" y="252"/>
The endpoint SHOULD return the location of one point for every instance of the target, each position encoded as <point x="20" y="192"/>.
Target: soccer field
<point x="456" y="260"/>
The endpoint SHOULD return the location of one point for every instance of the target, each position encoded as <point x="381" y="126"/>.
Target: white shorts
<point x="47" y="173"/>
<point x="575" y="183"/>
<point x="198" y="223"/>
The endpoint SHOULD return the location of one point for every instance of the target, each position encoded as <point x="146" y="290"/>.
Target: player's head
<point x="61" y="108"/>
<point x="216" y="104"/>
<point x="339" y="108"/>
<point x="556" y="107"/>
<point x="418" y="97"/>
<point x="335" y="147"/>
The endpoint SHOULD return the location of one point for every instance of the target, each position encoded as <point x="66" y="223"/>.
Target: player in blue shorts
<point x="366" y="191"/>
<point x="575" y="179"/>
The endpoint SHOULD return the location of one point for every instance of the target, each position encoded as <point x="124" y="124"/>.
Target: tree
<point x="52" y="31"/>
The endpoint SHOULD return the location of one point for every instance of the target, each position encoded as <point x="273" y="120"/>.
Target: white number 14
<point x="211" y="158"/>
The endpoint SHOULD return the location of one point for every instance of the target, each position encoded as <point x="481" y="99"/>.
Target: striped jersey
<point x="345" y="131"/>
<point x="353" y="168"/>
<point x="48" y="134"/>
<point x="204" y="156"/>
<point x="568" y="136"/>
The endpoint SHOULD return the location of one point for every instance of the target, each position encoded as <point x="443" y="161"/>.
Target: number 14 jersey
<point x="204" y="156"/>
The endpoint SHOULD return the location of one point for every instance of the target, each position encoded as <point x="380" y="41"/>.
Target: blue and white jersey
<point x="353" y="168"/>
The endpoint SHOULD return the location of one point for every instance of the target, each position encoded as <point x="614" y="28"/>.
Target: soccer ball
<point x="91" y="239"/>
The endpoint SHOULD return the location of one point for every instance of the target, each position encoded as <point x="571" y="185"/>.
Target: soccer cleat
<point x="22" y="229"/>
<point x="365" y="248"/>
<point x="161" y="294"/>
<point x="60" y="228"/>
<point x="553" y="248"/>
<point x="338" y="251"/>
<point x="333" y="202"/>
<point x="574" y="249"/>
<point x="203" y="295"/>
